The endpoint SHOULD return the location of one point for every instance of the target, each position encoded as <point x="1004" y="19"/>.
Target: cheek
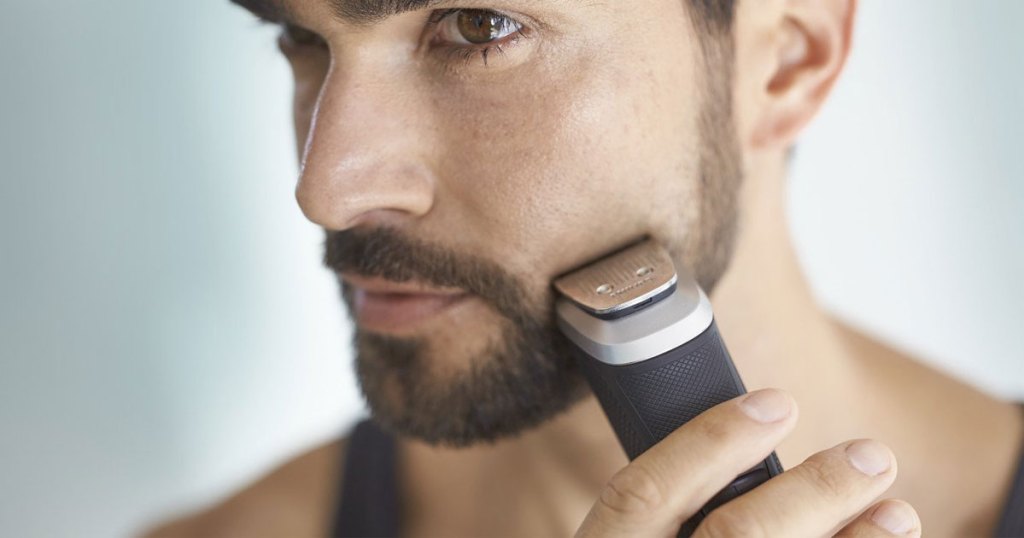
<point x="569" y="161"/>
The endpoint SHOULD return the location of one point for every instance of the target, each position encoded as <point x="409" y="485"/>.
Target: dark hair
<point x="714" y="15"/>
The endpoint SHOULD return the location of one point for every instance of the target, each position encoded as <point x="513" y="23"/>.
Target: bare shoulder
<point x="295" y="499"/>
<point x="935" y="422"/>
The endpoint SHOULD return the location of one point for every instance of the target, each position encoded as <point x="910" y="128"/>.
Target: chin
<point x="464" y="384"/>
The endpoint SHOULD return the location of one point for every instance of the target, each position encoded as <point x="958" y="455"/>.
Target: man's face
<point x="461" y="159"/>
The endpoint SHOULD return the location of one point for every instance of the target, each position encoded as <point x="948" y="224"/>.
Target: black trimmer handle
<point x="647" y="400"/>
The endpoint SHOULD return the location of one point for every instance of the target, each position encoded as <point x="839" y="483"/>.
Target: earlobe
<point x="812" y="47"/>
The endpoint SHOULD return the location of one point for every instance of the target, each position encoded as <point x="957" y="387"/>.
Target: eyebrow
<point x="355" y="12"/>
<point x="268" y="10"/>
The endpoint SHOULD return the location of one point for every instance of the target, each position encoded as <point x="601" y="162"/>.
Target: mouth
<point x="385" y="306"/>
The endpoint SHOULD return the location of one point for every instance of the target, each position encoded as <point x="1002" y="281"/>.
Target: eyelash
<point x="294" y="36"/>
<point x="466" y="53"/>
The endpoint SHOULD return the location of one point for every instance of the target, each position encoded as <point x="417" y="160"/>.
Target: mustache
<point x="386" y="253"/>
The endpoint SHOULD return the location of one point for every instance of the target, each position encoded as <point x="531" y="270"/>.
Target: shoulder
<point x="935" y="422"/>
<point x="294" y="499"/>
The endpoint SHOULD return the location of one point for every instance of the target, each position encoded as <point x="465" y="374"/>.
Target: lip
<point x="397" y="307"/>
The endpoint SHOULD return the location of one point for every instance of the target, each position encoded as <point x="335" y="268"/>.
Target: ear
<point x="809" y="46"/>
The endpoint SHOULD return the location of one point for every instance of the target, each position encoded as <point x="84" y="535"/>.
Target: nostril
<point x="380" y="218"/>
<point x="342" y="201"/>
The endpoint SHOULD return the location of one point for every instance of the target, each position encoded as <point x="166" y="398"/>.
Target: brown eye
<point x="477" y="27"/>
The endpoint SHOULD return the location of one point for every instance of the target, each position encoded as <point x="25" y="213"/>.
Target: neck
<point x="776" y="332"/>
<point x="778" y="337"/>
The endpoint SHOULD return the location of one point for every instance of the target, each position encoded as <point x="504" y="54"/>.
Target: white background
<point x="166" y="332"/>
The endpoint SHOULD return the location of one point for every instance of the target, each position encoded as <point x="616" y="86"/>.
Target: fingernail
<point x="766" y="405"/>
<point x="895" y="518"/>
<point x="869" y="457"/>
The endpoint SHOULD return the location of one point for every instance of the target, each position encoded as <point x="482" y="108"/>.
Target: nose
<point x="365" y="157"/>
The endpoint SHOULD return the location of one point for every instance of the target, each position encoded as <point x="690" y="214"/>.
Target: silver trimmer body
<point x="645" y="338"/>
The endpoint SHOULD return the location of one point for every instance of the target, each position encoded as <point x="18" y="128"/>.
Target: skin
<point x="394" y="137"/>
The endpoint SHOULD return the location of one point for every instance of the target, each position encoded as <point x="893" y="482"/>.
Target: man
<point x="460" y="156"/>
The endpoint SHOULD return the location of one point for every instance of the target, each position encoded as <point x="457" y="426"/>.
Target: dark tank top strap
<point x="368" y="501"/>
<point x="1011" y="524"/>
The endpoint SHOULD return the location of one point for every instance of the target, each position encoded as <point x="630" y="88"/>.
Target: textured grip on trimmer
<point x="648" y="400"/>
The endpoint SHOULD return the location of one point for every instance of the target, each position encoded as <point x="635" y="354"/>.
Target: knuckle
<point x="728" y="522"/>
<point x="715" y="429"/>
<point x="821" y="473"/>
<point x="632" y="492"/>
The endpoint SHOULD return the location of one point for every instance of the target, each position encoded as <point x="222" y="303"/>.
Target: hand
<point x="831" y="493"/>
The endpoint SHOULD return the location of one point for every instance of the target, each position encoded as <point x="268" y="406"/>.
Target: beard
<point x="528" y="374"/>
<point x="520" y="380"/>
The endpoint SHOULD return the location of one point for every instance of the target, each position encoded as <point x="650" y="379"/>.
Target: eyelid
<point x="526" y="21"/>
<point x="441" y="14"/>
